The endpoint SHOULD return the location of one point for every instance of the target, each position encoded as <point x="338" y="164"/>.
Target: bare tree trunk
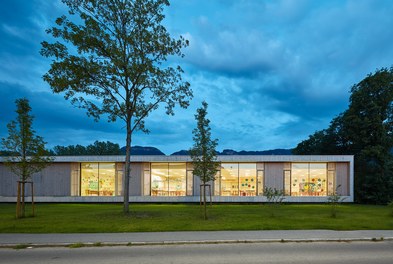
<point x="23" y="199"/>
<point x="18" y="211"/>
<point x="127" y="169"/>
<point x="204" y="200"/>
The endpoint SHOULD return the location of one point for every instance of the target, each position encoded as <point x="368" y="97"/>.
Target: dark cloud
<point x="273" y="72"/>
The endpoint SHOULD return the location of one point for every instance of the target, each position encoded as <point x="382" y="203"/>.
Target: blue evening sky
<point x="272" y="72"/>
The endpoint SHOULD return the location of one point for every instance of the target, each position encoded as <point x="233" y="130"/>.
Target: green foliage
<point x="29" y="154"/>
<point x="105" y="218"/>
<point x="365" y="130"/>
<point x="334" y="200"/>
<point x="203" y="152"/>
<point x="97" y="148"/>
<point x="273" y="195"/>
<point x="21" y="246"/>
<point x="28" y="150"/>
<point x="77" y="245"/>
<point x="116" y="66"/>
<point x="390" y="206"/>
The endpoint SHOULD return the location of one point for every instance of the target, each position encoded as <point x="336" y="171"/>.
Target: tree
<point x="365" y="130"/>
<point x="118" y="67"/>
<point x="28" y="149"/>
<point x="274" y="197"/>
<point x="334" y="200"/>
<point x="203" y="152"/>
<point x="97" y="148"/>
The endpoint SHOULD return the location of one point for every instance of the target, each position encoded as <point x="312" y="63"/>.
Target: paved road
<point x="318" y="252"/>
<point x="200" y="236"/>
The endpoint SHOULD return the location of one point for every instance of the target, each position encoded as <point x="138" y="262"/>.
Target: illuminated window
<point x="168" y="179"/>
<point x="98" y="179"/>
<point x="239" y="179"/>
<point x="309" y="179"/>
<point x="287" y="182"/>
<point x="247" y="179"/>
<point x="260" y="178"/>
<point x="229" y="179"/>
<point x="217" y="181"/>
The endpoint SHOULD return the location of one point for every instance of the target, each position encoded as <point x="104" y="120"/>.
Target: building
<point x="171" y="179"/>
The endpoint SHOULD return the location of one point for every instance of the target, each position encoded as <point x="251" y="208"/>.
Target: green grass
<point x="91" y="218"/>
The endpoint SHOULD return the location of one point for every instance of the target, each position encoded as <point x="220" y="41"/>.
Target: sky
<point x="273" y="72"/>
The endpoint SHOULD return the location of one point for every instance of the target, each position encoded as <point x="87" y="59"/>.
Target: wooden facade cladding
<point x="274" y="175"/>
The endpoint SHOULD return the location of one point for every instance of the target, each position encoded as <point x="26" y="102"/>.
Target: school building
<point x="171" y="179"/>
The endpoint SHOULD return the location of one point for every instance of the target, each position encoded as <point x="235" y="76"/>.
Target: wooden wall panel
<point x="7" y="182"/>
<point x="274" y="175"/>
<point x="54" y="180"/>
<point x="136" y="179"/>
<point x="342" y="177"/>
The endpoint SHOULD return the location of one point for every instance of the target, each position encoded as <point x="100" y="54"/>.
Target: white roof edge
<point x="222" y="158"/>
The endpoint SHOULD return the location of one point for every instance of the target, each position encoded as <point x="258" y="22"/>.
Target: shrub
<point x="334" y="200"/>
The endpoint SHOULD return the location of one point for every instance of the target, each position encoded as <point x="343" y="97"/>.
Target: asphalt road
<point x="244" y="253"/>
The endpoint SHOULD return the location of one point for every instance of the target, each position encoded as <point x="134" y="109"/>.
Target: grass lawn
<point x="90" y="218"/>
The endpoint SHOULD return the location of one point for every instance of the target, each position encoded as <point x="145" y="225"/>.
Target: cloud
<point x="273" y="72"/>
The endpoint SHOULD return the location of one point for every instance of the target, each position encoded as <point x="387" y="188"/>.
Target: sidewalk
<point x="197" y="237"/>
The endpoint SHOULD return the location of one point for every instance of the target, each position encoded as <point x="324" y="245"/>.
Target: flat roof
<point x="221" y="158"/>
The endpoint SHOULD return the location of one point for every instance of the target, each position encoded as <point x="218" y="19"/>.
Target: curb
<point x="193" y="242"/>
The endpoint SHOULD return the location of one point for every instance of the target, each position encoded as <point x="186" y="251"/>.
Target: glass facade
<point x="168" y="179"/>
<point x="229" y="179"/>
<point x="238" y="179"/>
<point x="261" y="182"/>
<point x="247" y="179"/>
<point x="232" y="179"/>
<point x="98" y="179"/>
<point x="307" y="179"/>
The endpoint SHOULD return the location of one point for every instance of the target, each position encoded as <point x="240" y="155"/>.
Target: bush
<point x="390" y="206"/>
<point x="273" y="195"/>
<point x="334" y="200"/>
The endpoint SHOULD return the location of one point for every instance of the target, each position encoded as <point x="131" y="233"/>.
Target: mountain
<point x="180" y="153"/>
<point x="138" y="150"/>
<point x="263" y="152"/>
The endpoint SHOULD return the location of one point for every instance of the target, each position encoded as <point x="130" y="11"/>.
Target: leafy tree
<point x="118" y="66"/>
<point x="71" y="150"/>
<point x="97" y="148"/>
<point x="274" y="197"/>
<point x="27" y="148"/>
<point x="203" y="152"/>
<point x="334" y="200"/>
<point x="103" y="148"/>
<point x="365" y="130"/>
